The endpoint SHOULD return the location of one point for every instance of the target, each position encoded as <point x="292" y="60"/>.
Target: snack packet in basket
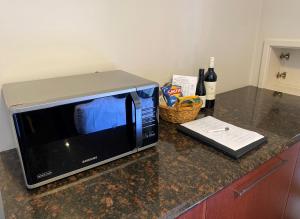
<point x="189" y="101"/>
<point x="170" y="93"/>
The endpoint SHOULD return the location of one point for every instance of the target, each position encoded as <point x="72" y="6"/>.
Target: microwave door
<point x="68" y="137"/>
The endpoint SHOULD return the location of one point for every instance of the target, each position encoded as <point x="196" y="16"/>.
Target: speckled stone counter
<point x="163" y="181"/>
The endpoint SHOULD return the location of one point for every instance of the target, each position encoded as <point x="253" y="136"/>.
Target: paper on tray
<point x="235" y="138"/>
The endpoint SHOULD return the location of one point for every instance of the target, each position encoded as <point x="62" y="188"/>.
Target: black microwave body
<point x="64" y="139"/>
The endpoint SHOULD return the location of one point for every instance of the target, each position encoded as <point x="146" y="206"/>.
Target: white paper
<point x="235" y="138"/>
<point x="188" y="84"/>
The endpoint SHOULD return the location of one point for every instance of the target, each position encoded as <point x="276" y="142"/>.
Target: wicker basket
<point x="179" y="113"/>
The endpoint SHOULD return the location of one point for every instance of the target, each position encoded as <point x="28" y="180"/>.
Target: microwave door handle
<point x="138" y="119"/>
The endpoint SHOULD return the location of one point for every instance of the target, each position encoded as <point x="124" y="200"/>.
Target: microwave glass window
<point x="67" y="137"/>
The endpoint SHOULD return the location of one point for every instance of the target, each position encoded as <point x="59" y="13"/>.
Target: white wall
<point x="155" y="39"/>
<point x="279" y="20"/>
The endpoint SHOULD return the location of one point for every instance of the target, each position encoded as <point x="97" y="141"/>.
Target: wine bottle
<point x="210" y="81"/>
<point x="200" y="89"/>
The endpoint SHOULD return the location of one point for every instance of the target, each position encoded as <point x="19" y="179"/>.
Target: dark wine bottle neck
<point x="201" y="74"/>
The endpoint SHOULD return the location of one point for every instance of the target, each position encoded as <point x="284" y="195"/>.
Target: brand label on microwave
<point x="42" y="175"/>
<point x="89" y="159"/>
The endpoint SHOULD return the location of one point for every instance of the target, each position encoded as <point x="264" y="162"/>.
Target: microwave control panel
<point x="149" y="99"/>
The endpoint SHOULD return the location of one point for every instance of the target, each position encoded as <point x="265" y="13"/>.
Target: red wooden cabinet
<point x="292" y="210"/>
<point x="197" y="212"/>
<point x="272" y="191"/>
<point x="261" y="194"/>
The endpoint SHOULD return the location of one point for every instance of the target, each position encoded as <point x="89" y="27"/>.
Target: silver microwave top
<point x="44" y="93"/>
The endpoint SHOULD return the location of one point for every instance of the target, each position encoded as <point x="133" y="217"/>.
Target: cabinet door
<point x="261" y="194"/>
<point x="197" y="212"/>
<point x="292" y="210"/>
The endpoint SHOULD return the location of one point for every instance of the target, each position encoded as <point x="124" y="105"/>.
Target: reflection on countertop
<point x="162" y="181"/>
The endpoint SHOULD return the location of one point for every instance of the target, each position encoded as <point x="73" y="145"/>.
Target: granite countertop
<point x="163" y="181"/>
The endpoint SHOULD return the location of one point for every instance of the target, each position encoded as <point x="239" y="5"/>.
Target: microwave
<point x="66" y="125"/>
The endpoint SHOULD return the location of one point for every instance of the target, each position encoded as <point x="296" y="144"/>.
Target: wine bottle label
<point x="210" y="90"/>
<point x="203" y="99"/>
